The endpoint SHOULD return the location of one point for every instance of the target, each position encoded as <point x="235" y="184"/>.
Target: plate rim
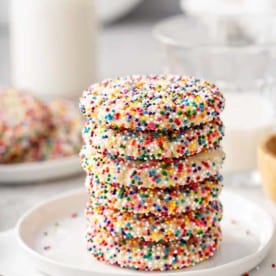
<point x="31" y="167"/>
<point x="26" y="165"/>
<point x="77" y="192"/>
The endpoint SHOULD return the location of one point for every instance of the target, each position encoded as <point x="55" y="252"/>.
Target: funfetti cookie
<point x="64" y="139"/>
<point x="155" y="228"/>
<point x="144" y="145"/>
<point x="156" y="201"/>
<point x="151" y="173"/>
<point x="134" y="254"/>
<point x="152" y="103"/>
<point x="23" y="121"/>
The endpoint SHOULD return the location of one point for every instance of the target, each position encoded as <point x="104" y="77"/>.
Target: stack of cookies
<point x="152" y="156"/>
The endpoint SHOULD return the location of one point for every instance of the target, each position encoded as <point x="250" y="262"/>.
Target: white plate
<point x="12" y="261"/>
<point x="39" y="171"/>
<point x="52" y="235"/>
<point x="109" y="11"/>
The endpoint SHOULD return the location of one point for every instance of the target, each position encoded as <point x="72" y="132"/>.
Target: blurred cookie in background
<point x="65" y="137"/>
<point x="24" y="120"/>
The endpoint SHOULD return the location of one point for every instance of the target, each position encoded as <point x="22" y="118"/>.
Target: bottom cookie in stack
<point x="157" y="256"/>
<point x="153" y="242"/>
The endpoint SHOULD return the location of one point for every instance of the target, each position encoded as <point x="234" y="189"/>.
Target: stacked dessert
<point x="152" y="156"/>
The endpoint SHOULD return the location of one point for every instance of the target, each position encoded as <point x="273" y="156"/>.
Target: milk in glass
<point x="248" y="117"/>
<point x="53" y="46"/>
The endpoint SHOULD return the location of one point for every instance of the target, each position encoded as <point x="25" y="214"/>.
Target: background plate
<point x="52" y="235"/>
<point x="39" y="171"/>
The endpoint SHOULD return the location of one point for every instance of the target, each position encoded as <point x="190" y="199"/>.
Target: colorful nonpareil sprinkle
<point x="130" y="253"/>
<point x="152" y="173"/>
<point x="155" y="228"/>
<point x="47" y="247"/>
<point x="74" y="215"/>
<point x="134" y="145"/>
<point x="154" y="102"/>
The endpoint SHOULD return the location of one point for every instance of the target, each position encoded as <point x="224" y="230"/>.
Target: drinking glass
<point x="238" y="54"/>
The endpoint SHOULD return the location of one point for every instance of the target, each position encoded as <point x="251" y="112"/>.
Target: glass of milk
<point x="53" y="46"/>
<point x="238" y="54"/>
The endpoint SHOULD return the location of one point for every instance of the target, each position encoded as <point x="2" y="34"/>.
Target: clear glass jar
<point x="238" y="54"/>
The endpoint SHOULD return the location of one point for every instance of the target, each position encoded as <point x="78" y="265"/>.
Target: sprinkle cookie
<point x="130" y="253"/>
<point x="65" y="137"/>
<point x="153" y="173"/>
<point x="23" y="121"/>
<point x="157" y="201"/>
<point x="155" y="228"/>
<point x="155" y="103"/>
<point x="133" y="145"/>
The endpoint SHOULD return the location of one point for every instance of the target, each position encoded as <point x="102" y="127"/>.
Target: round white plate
<point x="52" y="235"/>
<point x="12" y="261"/>
<point x="39" y="171"/>
<point x="109" y="11"/>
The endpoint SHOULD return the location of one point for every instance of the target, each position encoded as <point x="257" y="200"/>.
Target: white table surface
<point x="120" y="53"/>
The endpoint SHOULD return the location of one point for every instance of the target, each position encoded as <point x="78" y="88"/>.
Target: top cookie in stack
<point x="153" y="155"/>
<point x="153" y="117"/>
<point x="153" y="103"/>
